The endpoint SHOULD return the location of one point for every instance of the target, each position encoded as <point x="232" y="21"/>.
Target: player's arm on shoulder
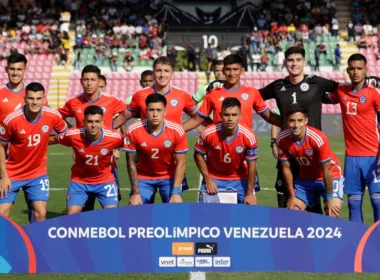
<point x="5" y="182"/>
<point x="122" y="118"/>
<point x="195" y="121"/>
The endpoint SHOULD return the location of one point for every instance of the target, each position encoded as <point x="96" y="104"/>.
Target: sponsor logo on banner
<point x="222" y="261"/>
<point x="185" y="261"/>
<point x="183" y="248"/>
<point x="203" y="261"/>
<point x="203" y="248"/>
<point x="167" y="262"/>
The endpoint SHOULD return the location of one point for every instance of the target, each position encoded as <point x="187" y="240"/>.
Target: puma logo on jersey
<point x="283" y="89"/>
<point x="5" y="100"/>
<point x="22" y="131"/>
<point x="221" y="99"/>
<point x="144" y="145"/>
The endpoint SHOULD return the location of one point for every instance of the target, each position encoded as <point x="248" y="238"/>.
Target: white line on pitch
<point x="128" y="189"/>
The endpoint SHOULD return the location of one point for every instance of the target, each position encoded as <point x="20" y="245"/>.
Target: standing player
<point x="91" y="95"/>
<point x="231" y="151"/>
<point x="102" y="83"/>
<point x="146" y="80"/>
<point x="320" y="172"/>
<point x="360" y="104"/>
<point x="162" y="147"/>
<point x="25" y="134"/>
<point x="308" y="90"/>
<point x="178" y="100"/>
<point x="91" y="173"/>
<point x="249" y="98"/>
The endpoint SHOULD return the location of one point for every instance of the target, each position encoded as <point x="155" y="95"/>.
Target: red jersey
<point x="310" y="153"/>
<point x="227" y="160"/>
<point x="11" y="100"/>
<point x="75" y="107"/>
<point x="249" y="97"/>
<point x="156" y="152"/>
<point x="359" y="114"/>
<point x="92" y="159"/>
<point x="178" y="101"/>
<point x="28" y="142"/>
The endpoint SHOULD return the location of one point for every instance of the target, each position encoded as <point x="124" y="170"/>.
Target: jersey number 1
<point x="294" y="98"/>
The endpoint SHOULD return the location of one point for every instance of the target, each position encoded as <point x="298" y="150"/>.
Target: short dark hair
<point x="34" y="87"/>
<point x="296" y="108"/>
<point x="164" y="60"/>
<point x="93" y="110"/>
<point x="357" y="57"/>
<point x="232" y="59"/>
<point x="16" y="58"/>
<point x="295" y="50"/>
<point x="91" y="69"/>
<point x="219" y="62"/>
<point x="103" y="78"/>
<point x="146" y="73"/>
<point x="231" y="102"/>
<point x="155" y="98"/>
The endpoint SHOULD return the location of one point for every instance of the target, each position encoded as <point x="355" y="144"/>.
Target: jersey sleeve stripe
<point x="263" y="111"/>
<point x="284" y="132"/>
<point x="215" y="130"/>
<point x="282" y="136"/>
<point x="192" y="110"/>
<point x="283" y="159"/>
<point x="325" y="160"/>
<point x="199" y="151"/>
<point x="248" y="134"/>
<point x="48" y="109"/>
<point x="130" y="151"/>
<point x="136" y="125"/>
<point x="12" y="116"/>
<point x="176" y="127"/>
<point x="210" y="129"/>
<point x="132" y="110"/>
<point x="182" y="151"/>
<point x="63" y="130"/>
<point x="251" y="159"/>
<point x="4" y="140"/>
<point x="202" y="115"/>
<point x="315" y="137"/>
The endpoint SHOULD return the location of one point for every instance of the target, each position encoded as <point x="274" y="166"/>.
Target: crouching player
<point x="162" y="147"/>
<point x="320" y="172"/>
<point x="231" y="152"/>
<point x="93" y="147"/>
<point x="25" y="135"/>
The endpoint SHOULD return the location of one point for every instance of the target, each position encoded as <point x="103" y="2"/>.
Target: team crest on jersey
<point x="103" y="151"/>
<point x="309" y="152"/>
<point x="239" y="149"/>
<point x="362" y="99"/>
<point x="279" y="151"/>
<point x="245" y="96"/>
<point x="200" y="142"/>
<point x="2" y="130"/>
<point x="174" y="102"/>
<point x="45" y="128"/>
<point x="167" y="143"/>
<point x="304" y="86"/>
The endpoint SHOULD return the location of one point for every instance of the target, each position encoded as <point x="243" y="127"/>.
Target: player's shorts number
<point x="111" y="190"/>
<point x="44" y="185"/>
<point x="302" y="161"/>
<point x="375" y="180"/>
<point x="155" y="152"/>
<point x="91" y="160"/>
<point x="34" y="140"/>
<point x="227" y="158"/>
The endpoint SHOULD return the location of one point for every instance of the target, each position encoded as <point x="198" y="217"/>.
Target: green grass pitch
<point x="59" y="164"/>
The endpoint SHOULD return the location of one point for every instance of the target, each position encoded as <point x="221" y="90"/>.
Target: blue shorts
<point x="359" y="172"/>
<point x="310" y="191"/>
<point x="77" y="193"/>
<point x="149" y="187"/>
<point x="36" y="189"/>
<point x="240" y="186"/>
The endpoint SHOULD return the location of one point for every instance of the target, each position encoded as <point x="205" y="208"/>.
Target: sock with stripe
<point x="375" y="201"/>
<point x="355" y="202"/>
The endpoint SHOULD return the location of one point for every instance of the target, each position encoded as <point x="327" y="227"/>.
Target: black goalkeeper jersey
<point x="310" y="93"/>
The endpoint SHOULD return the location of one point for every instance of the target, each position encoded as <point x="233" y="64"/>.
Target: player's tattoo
<point x="132" y="172"/>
